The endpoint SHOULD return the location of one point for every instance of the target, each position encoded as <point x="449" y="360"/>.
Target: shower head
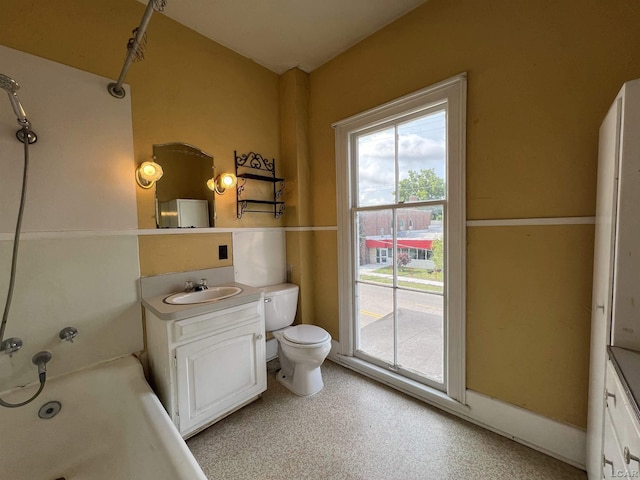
<point x="8" y="84"/>
<point x="11" y="86"/>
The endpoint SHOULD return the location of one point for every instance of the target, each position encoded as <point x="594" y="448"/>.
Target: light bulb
<point x="227" y="180"/>
<point x="223" y="182"/>
<point x="148" y="173"/>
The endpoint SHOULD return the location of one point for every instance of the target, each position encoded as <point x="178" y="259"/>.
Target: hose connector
<point x="41" y="359"/>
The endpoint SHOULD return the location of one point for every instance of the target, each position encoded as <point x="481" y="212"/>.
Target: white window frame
<point x="452" y="92"/>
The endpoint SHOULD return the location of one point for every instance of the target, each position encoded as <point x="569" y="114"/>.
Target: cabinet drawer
<point x="209" y="323"/>
<point x="613" y="465"/>
<point x="623" y="419"/>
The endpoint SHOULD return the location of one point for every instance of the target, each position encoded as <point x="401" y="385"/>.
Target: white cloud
<point x="376" y="170"/>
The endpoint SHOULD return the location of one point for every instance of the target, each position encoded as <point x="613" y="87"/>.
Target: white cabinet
<point x="621" y="449"/>
<point x="207" y="366"/>
<point x="616" y="271"/>
<point x="612" y="460"/>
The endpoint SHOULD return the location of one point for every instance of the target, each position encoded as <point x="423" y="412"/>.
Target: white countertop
<point x="166" y="311"/>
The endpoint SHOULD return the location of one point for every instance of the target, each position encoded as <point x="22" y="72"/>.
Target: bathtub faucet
<point x="11" y="346"/>
<point x="67" y="334"/>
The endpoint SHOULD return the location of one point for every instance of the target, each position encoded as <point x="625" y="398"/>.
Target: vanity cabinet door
<point x="219" y="374"/>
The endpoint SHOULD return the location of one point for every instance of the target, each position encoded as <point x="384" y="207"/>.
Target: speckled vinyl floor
<point x="357" y="429"/>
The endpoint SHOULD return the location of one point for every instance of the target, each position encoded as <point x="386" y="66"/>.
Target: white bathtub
<point x="111" y="427"/>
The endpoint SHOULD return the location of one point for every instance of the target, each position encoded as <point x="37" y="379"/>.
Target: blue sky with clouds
<point x="421" y="145"/>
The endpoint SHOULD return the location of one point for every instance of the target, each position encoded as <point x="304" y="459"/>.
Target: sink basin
<point x="212" y="294"/>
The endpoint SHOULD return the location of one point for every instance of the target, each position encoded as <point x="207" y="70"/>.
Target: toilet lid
<point x="306" y="334"/>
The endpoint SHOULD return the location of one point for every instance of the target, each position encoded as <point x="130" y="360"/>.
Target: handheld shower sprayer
<point x="11" y="87"/>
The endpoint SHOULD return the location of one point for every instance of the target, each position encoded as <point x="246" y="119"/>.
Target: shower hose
<point x="12" y="276"/>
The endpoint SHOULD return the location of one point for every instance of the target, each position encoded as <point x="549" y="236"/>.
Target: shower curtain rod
<point x="136" y="47"/>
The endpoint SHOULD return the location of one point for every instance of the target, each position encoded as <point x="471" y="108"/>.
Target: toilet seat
<point x="306" y="334"/>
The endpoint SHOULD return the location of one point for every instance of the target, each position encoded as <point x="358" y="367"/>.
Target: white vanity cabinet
<point x="615" y="318"/>
<point x="621" y="449"/>
<point x="207" y="366"/>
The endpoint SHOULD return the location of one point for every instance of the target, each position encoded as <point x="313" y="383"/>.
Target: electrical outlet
<point x="223" y="252"/>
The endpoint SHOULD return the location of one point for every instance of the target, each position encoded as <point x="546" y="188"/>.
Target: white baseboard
<point x="564" y="442"/>
<point x="559" y="440"/>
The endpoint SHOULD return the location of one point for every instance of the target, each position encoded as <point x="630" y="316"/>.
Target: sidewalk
<point x="369" y="269"/>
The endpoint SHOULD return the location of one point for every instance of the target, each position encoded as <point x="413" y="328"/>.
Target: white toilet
<point x="301" y="348"/>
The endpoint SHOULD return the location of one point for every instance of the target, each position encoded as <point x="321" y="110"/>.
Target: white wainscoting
<point x="90" y="284"/>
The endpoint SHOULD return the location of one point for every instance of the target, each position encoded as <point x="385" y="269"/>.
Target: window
<point x="415" y="147"/>
<point x="381" y="255"/>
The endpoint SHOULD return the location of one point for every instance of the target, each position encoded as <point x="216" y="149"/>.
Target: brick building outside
<point x="414" y="236"/>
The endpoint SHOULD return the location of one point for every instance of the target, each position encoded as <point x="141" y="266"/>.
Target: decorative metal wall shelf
<point x="253" y="166"/>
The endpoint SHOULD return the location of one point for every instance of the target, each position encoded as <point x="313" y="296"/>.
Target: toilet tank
<point x="280" y="305"/>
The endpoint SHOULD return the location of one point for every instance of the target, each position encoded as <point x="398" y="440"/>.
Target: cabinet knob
<point x="607" y="394"/>
<point x="628" y="457"/>
<point x="600" y="307"/>
<point x="606" y="462"/>
<point x="259" y="336"/>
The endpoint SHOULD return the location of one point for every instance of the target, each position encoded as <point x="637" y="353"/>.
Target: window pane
<point x="375" y="242"/>
<point x="420" y="295"/>
<point x="376" y="168"/>
<point x="422" y="158"/>
<point x="375" y="321"/>
<point x="420" y="333"/>
<point x="414" y="246"/>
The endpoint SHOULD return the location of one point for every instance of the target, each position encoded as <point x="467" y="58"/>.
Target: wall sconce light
<point x="148" y="173"/>
<point x="222" y="182"/>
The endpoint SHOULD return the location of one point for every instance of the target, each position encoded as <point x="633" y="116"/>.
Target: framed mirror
<point x="183" y="199"/>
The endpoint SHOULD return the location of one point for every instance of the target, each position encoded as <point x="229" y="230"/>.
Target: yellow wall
<point x="294" y="114"/>
<point x="182" y="253"/>
<point x="541" y="76"/>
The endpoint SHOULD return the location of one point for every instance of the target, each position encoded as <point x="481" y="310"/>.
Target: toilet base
<point x="304" y="381"/>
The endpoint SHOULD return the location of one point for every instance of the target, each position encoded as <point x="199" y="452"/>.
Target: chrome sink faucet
<point x="201" y="285"/>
